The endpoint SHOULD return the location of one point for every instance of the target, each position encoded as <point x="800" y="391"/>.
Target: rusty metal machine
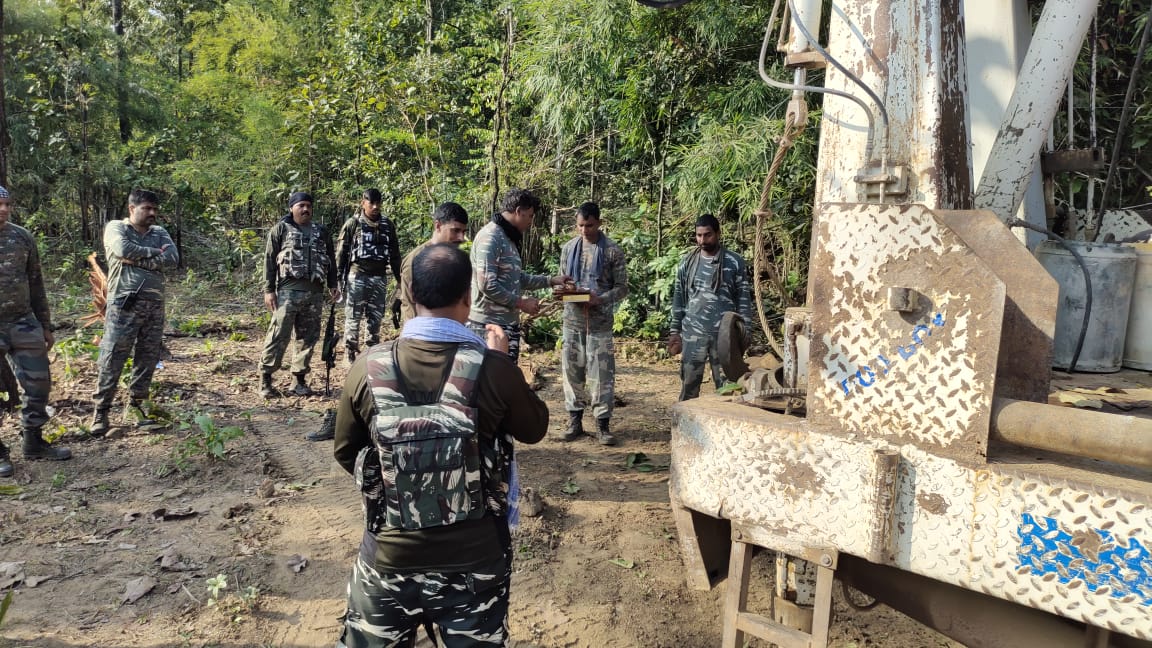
<point x="929" y="471"/>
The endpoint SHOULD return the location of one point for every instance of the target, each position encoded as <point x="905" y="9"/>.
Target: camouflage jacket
<point x="498" y="278"/>
<point x="21" y="282"/>
<point x="404" y="286"/>
<point x="604" y="271"/>
<point x="700" y="297"/>
<point x="367" y="246"/>
<point x="289" y="256"/>
<point x="143" y="273"/>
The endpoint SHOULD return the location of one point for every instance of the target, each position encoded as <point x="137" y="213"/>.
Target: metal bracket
<point x="880" y="185"/>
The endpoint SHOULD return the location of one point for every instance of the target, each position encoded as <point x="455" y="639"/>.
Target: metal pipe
<point x="1068" y="430"/>
<point x="1028" y="118"/>
<point x="971" y="618"/>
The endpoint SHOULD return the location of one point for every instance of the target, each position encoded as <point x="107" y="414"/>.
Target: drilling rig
<point x="929" y="470"/>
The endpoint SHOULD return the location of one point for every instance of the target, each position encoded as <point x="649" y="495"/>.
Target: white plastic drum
<point x="1138" y="345"/>
<point x="1112" y="269"/>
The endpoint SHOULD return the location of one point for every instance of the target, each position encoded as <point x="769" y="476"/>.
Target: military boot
<point x="327" y="428"/>
<point x="6" y="468"/>
<point x="35" y="447"/>
<point x="351" y="350"/>
<point x="602" y="434"/>
<point x="301" y="387"/>
<point x="575" y="426"/>
<point x="99" y="426"/>
<point x="267" y="389"/>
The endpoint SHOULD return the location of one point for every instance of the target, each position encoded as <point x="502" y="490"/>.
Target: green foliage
<point x="4" y="605"/>
<point x="205" y="439"/>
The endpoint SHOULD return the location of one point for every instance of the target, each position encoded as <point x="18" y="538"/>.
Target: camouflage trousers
<point x="467" y="609"/>
<point x="296" y="310"/>
<point x="699" y="350"/>
<point x="23" y="342"/>
<point x="589" y="364"/>
<point x="367" y="299"/>
<point x="129" y="323"/>
<point x="513" y="332"/>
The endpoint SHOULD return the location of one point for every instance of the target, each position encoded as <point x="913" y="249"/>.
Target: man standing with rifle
<point x="328" y="355"/>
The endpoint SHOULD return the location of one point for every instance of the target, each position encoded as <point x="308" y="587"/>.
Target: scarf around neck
<point x="509" y="229"/>
<point x="575" y="267"/>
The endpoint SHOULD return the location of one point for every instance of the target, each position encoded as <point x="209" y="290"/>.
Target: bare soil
<point x="87" y="530"/>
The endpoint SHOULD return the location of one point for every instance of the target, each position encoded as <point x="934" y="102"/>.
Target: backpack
<point x="424" y="468"/>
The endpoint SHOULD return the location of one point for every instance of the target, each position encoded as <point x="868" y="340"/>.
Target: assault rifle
<point x="328" y="351"/>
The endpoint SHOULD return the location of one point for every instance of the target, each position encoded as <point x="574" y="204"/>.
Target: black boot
<point x="6" y="468"/>
<point x="99" y="426"/>
<point x="267" y="389"/>
<point x="602" y="434"/>
<point x="575" y="426"/>
<point x="327" y="428"/>
<point x="301" y="387"/>
<point x="350" y="352"/>
<point x="35" y="447"/>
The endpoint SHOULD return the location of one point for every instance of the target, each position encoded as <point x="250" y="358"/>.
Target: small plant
<point x="4" y="605"/>
<point x="59" y="479"/>
<point x="207" y="439"/>
<point x="238" y="336"/>
<point x="191" y="326"/>
<point x="216" y="584"/>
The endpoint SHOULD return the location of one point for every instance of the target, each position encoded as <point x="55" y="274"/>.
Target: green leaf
<point x="626" y="563"/>
<point x="730" y="388"/>
<point x="10" y="490"/>
<point x="4" y="605"/>
<point x="570" y="488"/>
<point x="635" y="458"/>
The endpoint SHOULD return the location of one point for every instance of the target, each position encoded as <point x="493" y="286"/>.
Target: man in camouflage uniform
<point x="25" y="335"/>
<point x="446" y="565"/>
<point x="366" y="248"/>
<point x="138" y="251"/>
<point x="710" y="281"/>
<point x="449" y="225"/>
<point x="498" y="278"/>
<point x="298" y="266"/>
<point x="596" y="264"/>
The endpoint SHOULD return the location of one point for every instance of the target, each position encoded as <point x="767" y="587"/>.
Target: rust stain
<point x="802" y="477"/>
<point x="933" y="503"/>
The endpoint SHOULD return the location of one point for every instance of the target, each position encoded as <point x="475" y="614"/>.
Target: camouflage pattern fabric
<point x="427" y="448"/>
<point x="129" y="322"/>
<point x="498" y="278"/>
<point x="21" y="281"/>
<point x="468" y="609"/>
<point x="23" y="342"/>
<point x="699" y="351"/>
<point x="404" y="286"/>
<point x="367" y="299"/>
<point x="589" y="365"/>
<point x="512" y="331"/>
<point x="610" y="283"/>
<point x="296" y="310"/>
<point x="143" y="275"/>
<point x="699" y="301"/>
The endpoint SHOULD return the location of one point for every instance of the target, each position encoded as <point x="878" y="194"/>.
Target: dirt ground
<point x="280" y="521"/>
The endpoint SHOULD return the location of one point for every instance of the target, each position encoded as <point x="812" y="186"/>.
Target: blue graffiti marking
<point x="1093" y="556"/>
<point x="866" y="376"/>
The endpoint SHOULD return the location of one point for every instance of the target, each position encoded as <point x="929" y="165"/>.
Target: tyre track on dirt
<point x="321" y="522"/>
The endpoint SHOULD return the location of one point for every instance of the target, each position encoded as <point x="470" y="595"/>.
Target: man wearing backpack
<point x="367" y="247"/>
<point x="426" y="424"/>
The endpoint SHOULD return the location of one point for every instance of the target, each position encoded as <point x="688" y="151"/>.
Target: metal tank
<point x="1138" y="343"/>
<point x="1111" y="271"/>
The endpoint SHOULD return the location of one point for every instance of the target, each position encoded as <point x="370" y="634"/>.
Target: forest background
<point x="226" y="106"/>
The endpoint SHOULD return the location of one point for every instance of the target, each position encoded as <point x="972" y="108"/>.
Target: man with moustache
<point x="138" y="252"/>
<point x="449" y="225"/>
<point x="367" y="247"/>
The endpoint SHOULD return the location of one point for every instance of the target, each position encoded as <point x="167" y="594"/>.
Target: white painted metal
<point x="1071" y="538"/>
<point x="1138" y="344"/>
<point x="997" y="35"/>
<point x="808" y="11"/>
<point x="1043" y="79"/>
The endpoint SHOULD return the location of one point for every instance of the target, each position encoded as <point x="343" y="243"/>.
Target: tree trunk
<point x="3" y="108"/>
<point x="121" y="71"/>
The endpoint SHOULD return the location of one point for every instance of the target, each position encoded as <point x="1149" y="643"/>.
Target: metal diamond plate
<point x="1070" y="539"/>
<point x="924" y="376"/>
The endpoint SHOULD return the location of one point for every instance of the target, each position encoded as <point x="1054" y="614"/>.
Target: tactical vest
<point x="370" y="243"/>
<point x="426" y="467"/>
<point x="295" y="250"/>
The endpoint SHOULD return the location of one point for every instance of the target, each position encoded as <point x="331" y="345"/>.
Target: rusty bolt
<point x="902" y="300"/>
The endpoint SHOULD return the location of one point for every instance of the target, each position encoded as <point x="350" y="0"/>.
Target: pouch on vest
<point x="427" y="445"/>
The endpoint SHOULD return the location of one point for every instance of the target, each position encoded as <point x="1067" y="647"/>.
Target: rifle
<point x="328" y="351"/>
